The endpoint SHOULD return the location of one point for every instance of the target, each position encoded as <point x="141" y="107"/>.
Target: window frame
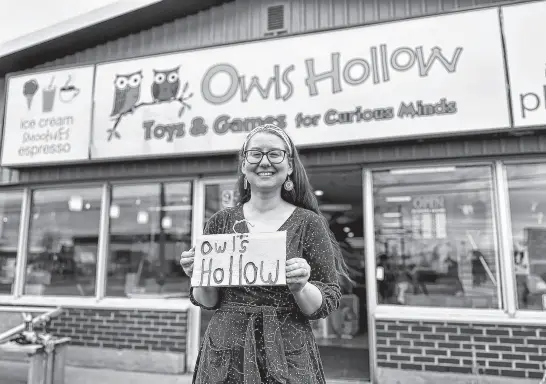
<point x="508" y="313"/>
<point x="105" y="234"/>
<point x="526" y="315"/>
<point x="98" y="300"/>
<point x="20" y="243"/>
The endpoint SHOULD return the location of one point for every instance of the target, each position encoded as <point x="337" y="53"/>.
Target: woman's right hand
<point x="186" y="261"/>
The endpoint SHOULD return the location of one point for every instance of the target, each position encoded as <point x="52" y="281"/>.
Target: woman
<point x="263" y="334"/>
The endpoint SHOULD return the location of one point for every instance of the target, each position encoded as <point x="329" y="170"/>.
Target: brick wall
<point x="123" y="329"/>
<point x="500" y="350"/>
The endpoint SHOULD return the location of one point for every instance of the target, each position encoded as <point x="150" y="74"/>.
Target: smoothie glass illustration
<point x="48" y="96"/>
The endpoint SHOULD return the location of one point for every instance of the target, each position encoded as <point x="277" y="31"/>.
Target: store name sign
<point x="524" y="28"/>
<point x="240" y="260"/>
<point x="415" y="78"/>
<point x="48" y="117"/>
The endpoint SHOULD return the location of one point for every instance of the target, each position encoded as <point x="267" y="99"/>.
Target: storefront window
<point x="63" y="242"/>
<point x="435" y="237"/>
<point x="219" y="196"/>
<point x="527" y="183"/>
<point x="150" y="226"/>
<point x="10" y="213"/>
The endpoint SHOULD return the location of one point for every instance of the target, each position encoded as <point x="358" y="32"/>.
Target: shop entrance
<point x="343" y="336"/>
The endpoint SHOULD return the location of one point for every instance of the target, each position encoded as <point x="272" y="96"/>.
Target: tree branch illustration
<point x="182" y="99"/>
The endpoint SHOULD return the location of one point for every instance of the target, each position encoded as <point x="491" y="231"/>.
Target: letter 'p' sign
<point x="240" y="259"/>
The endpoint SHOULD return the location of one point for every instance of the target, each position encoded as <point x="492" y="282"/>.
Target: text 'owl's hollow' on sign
<point x="240" y="260"/>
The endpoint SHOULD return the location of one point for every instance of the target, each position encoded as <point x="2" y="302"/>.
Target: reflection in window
<point x="220" y="196"/>
<point x="10" y="213"/>
<point x="150" y="226"/>
<point x="526" y="183"/>
<point x="63" y="242"/>
<point x="435" y="237"/>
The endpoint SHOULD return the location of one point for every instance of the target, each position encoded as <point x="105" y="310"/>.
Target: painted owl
<point x="165" y="85"/>
<point x="127" y="92"/>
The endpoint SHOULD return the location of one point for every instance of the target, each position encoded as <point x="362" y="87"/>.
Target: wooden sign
<point x="240" y="260"/>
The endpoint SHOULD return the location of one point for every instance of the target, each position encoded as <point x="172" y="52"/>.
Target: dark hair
<point x="301" y="196"/>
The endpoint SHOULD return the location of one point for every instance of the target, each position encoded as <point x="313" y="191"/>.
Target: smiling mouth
<point x="265" y="173"/>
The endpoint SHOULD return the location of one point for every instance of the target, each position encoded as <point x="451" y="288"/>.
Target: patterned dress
<point x="259" y="334"/>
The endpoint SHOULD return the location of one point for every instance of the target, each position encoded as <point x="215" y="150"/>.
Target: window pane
<point x="527" y="195"/>
<point x="63" y="242"/>
<point x="10" y="214"/>
<point x="220" y="196"/>
<point x="435" y="237"/>
<point x="150" y="226"/>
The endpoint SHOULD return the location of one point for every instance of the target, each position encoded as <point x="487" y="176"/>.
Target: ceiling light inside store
<point x="409" y="171"/>
<point x="350" y="234"/>
<point x="142" y="217"/>
<point x="75" y="203"/>
<point x="336" y="207"/>
<point x="5" y="219"/>
<point x="467" y="209"/>
<point x="87" y="206"/>
<point x="346" y="229"/>
<point x="356" y="242"/>
<point x="344" y="220"/>
<point x="397" y="199"/>
<point x="171" y="208"/>
<point x="166" y="222"/>
<point x="318" y="192"/>
<point x="392" y="215"/>
<point x="114" y="211"/>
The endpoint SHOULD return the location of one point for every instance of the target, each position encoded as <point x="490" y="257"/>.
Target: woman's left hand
<point x="297" y="274"/>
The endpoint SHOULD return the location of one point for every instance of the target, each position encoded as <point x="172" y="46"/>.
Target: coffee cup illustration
<point x="68" y="91"/>
<point x="48" y="94"/>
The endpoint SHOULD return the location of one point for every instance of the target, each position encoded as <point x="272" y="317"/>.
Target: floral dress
<point x="259" y="334"/>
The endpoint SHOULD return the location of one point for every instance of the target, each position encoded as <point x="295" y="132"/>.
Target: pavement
<point x="15" y="373"/>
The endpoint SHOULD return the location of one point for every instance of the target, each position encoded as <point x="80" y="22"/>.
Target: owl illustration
<point x="165" y="85"/>
<point x="127" y="92"/>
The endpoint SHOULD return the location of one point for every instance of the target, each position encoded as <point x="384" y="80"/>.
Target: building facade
<point x="420" y="125"/>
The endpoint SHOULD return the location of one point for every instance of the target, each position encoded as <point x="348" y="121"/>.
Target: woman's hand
<point x="297" y="274"/>
<point x="186" y="261"/>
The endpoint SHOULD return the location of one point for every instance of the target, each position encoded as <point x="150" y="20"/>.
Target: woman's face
<point x="266" y="174"/>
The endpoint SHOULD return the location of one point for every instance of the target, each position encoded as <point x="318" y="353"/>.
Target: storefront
<point x="423" y="144"/>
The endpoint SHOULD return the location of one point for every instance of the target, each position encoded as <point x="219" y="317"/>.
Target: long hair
<point x="302" y="195"/>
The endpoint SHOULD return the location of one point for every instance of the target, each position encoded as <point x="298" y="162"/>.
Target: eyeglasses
<point x="276" y="156"/>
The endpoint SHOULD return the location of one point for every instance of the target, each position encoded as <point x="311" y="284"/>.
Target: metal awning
<point x="95" y="28"/>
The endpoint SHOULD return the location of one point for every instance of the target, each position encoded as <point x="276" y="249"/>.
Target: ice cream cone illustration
<point x="29" y="90"/>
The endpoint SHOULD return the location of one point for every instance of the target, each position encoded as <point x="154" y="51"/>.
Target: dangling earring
<point x="245" y="184"/>
<point x="288" y="184"/>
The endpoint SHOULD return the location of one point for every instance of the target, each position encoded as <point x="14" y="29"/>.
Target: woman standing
<point x="262" y="334"/>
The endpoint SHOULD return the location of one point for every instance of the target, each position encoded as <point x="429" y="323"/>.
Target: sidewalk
<point x="15" y="373"/>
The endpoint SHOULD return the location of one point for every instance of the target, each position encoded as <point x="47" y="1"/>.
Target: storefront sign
<point x="524" y="30"/>
<point x="430" y="76"/>
<point x="237" y="260"/>
<point x="48" y="117"/>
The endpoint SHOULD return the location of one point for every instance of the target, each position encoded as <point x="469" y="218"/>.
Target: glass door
<point x="343" y="336"/>
<point x="217" y="195"/>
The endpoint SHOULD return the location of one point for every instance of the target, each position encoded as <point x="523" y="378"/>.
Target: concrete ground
<point x="15" y="373"/>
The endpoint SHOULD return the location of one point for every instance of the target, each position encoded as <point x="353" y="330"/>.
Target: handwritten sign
<point x="240" y="260"/>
